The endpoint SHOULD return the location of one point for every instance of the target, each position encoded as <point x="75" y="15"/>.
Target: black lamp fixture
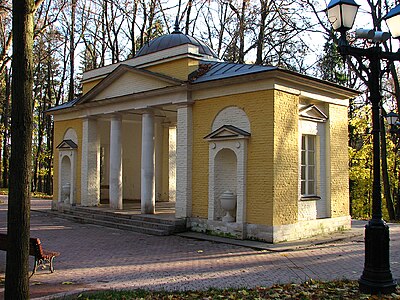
<point x="392" y="20"/>
<point x="377" y="277"/>
<point x="341" y="14"/>
<point x="393" y="120"/>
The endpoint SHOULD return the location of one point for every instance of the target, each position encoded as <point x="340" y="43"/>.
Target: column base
<point x="148" y="209"/>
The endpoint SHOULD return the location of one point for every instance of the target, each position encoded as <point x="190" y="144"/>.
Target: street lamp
<point x="393" y="20"/>
<point x="377" y="277"/>
<point x="392" y="118"/>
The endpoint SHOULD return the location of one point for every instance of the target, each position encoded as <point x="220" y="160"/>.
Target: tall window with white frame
<point x="308" y="167"/>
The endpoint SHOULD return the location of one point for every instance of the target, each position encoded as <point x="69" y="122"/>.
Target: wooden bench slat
<point x="42" y="257"/>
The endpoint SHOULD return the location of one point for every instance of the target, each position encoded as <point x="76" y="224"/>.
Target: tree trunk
<point x="49" y="134"/>
<point x="71" y="92"/>
<point x="18" y="221"/>
<point x="241" y="32"/>
<point x="6" y="130"/>
<point x="189" y="10"/>
<point x="261" y="33"/>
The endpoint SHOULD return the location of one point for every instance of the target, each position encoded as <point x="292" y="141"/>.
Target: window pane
<point x="311" y="142"/>
<point x="311" y="156"/>
<point x="303" y="187"/>
<point x="303" y="142"/>
<point x="311" y="190"/>
<point x="303" y="172"/>
<point x="303" y="157"/>
<point x="311" y="175"/>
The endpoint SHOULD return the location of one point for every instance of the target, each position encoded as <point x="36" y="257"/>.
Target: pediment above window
<point x="67" y="145"/>
<point x="227" y="132"/>
<point x="313" y="113"/>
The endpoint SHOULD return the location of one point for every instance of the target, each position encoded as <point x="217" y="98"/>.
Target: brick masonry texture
<point x="286" y="158"/>
<point x="258" y="107"/>
<point x="339" y="176"/>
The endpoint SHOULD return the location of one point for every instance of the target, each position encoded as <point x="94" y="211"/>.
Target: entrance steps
<point x="157" y="224"/>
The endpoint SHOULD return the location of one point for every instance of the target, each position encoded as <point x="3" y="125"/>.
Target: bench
<point x="42" y="257"/>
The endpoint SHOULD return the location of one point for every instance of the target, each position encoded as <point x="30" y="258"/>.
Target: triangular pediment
<point x="128" y="80"/>
<point x="67" y="145"/>
<point x="227" y="132"/>
<point x="313" y="113"/>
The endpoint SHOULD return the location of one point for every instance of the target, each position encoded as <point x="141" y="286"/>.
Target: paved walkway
<point x="94" y="257"/>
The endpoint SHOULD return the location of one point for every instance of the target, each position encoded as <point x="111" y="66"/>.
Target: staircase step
<point x="137" y="223"/>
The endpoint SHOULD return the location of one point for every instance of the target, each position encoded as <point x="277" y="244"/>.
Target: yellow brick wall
<point x="86" y="87"/>
<point x="286" y="158"/>
<point x="339" y="169"/>
<point x="60" y="127"/>
<point x="179" y="68"/>
<point x="259" y="109"/>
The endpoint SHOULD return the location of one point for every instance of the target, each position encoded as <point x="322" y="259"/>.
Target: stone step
<point x="145" y="218"/>
<point x="135" y="223"/>
<point x="118" y="219"/>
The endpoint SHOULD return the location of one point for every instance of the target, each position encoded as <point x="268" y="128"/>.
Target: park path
<point x="95" y="257"/>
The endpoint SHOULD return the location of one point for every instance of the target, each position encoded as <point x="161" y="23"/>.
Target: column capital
<point x="185" y="105"/>
<point x="149" y="111"/>
<point x="116" y="116"/>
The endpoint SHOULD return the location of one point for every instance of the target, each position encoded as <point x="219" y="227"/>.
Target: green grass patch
<point x="311" y="289"/>
<point x="40" y="195"/>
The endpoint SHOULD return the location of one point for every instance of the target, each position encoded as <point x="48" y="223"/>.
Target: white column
<point x="184" y="147"/>
<point x="147" y="165"/>
<point x="90" y="164"/>
<point x="116" y="162"/>
<point x="158" y="159"/>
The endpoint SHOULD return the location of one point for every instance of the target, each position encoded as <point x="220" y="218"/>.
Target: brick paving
<point x="94" y="258"/>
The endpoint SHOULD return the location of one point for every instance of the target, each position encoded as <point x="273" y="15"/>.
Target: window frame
<point x="308" y="162"/>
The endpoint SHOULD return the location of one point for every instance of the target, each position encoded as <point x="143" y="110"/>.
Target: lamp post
<point x="377" y="277"/>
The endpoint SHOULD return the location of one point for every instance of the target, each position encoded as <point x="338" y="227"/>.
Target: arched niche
<point x="225" y="179"/>
<point x="67" y="168"/>
<point x="228" y="161"/>
<point x="231" y="115"/>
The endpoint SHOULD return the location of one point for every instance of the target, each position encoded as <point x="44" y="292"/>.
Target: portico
<point x="128" y="156"/>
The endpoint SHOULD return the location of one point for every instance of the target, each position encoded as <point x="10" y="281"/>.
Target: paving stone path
<point x="94" y="257"/>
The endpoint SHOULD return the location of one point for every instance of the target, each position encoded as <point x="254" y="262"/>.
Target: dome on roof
<point x="174" y="39"/>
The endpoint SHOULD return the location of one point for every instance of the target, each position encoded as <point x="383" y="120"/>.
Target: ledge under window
<point x="309" y="197"/>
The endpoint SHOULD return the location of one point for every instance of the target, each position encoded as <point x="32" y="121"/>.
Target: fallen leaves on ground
<point x="309" y="290"/>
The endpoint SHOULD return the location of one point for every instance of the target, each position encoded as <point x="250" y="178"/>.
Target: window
<point x="308" y="168"/>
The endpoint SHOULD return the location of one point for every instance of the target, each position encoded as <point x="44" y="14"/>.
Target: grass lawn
<point x="343" y="289"/>
<point x="40" y="195"/>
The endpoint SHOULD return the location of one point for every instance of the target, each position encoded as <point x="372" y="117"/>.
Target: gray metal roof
<point x="221" y="70"/>
<point x="64" y="105"/>
<point x="174" y="39"/>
